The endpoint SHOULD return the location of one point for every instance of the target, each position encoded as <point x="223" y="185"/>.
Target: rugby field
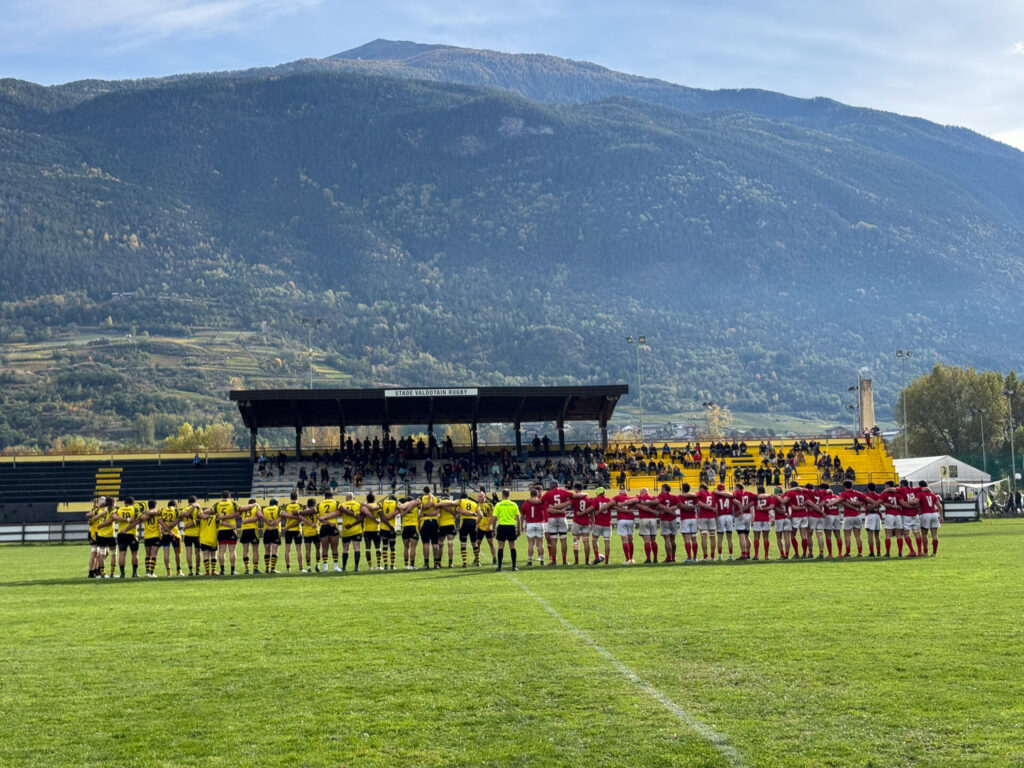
<point x="850" y="663"/>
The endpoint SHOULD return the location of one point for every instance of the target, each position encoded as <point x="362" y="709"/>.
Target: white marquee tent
<point x="940" y="470"/>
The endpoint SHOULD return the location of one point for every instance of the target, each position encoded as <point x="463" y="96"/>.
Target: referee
<point x="507" y="515"/>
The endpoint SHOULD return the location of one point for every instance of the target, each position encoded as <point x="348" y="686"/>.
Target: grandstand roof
<point x="446" y="405"/>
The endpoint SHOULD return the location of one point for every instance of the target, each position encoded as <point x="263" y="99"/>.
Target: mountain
<point x="162" y="240"/>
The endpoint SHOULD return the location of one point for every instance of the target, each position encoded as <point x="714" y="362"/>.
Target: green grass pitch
<point x="854" y="663"/>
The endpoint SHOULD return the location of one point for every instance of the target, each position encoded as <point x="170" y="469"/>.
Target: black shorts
<point x="191" y="541"/>
<point x="508" y="533"/>
<point x="328" y="529"/>
<point x="227" y="537"/>
<point x="467" y="530"/>
<point x="207" y="548"/>
<point x="272" y="537"/>
<point x="152" y="541"/>
<point x="126" y="541"/>
<point x="409" y="532"/>
<point x="372" y="537"/>
<point x="292" y="537"/>
<point x="315" y="538"/>
<point x="169" y="540"/>
<point x="106" y="541"/>
<point x="445" y="531"/>
<point x="430" y="531"/>
<point x="250" y="536"/>
<point x="387" y="537"/>
<point x="482" y="534"/>
<point x="92" y="538"/>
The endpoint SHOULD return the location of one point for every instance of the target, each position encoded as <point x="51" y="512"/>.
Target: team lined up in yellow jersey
<point x="209" y="535"/>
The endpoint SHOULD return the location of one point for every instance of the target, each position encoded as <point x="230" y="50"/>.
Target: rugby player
<point x="688" y="522"/>
<point x="106" y="540"/>
<point x="250" y="536"/>
<point x="485" y="526"/>
<point x="410" y="511"/>
<point x="582" y="519"/>
<point x="506" y="514"/>
<point x="911" y="519"/>
<point x="270" y="516"/>
<point x="931" y="518"/>
<point x="292" y="532"/>
<point x="170" y="537"/>
<point x="725" y="523"/>
<point x="386" y="517"/>
<point x="797" y="508"/>
<point x="851" y="505"/>
<point x="893" y="523"/>
<point x="741" y="514"/>
<point x="127" y="517"/>
<point x="707" y="521"/>
<point x="190" y="517"/>
<point x="625" y="523"/>
<point x="829" y="503"/>
<point x="351" y="529"/>
<point x="227" y="512"/>
<point x="555" y="501"/>
<point x="151" y="536"/>
<point x="446" y="528"/>
<point x="601" y="508"/>
<point x="873" y="510"/>
<point x="310" y="526"/>
<point x="668" y="521"/>
<point x="469" y="517"/>
<point x="327" y="514"/>
<point x="815" y="520"/>
<point x="371" y="530"/>
<point x="96" y="516"/>
<point x="647" y="524"/>
<point x="208" y="541"/>
<point x="430" y="528"/>
<point x="765" y="505"/>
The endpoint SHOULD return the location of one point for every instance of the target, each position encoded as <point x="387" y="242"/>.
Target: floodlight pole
<point x="903" y="354"/>
<point x="309" y="325"/>
<point x="640" y="340"/>
<point x="1009" y="393"/>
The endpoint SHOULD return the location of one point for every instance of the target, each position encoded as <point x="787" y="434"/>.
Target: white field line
<point x="706" y="732"/>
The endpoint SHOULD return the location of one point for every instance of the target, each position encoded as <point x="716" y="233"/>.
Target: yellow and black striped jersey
<point x="127" y="513"/>
<point x="249" y="519"/>
<point x="190" y="516"/>
<point x="350" y="520"/>
<point x="226" y="507"/>
<point x="387" y="507"/>
<point x="151" y="526"/>
<point x="292" y="508"/>
<point x="271" y="518"/>
<point x="169" y="516"/>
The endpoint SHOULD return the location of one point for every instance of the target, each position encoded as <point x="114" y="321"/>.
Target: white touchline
<point x="709" y="734"/>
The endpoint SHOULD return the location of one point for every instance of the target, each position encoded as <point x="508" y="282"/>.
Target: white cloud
<point x="1014" y="138"/>
<point x="1018" y="47"/>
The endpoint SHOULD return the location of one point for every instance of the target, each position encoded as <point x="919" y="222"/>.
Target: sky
<point x="956" y="62"/>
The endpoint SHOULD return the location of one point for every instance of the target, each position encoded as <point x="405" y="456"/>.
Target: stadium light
<point x="903" y="354"/>
<point x="1009" y="393"/>
<point x="309" y="325"/>
<point x="639" y="341"/>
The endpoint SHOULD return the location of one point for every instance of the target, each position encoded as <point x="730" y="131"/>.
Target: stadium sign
<point x="467" y="392"/>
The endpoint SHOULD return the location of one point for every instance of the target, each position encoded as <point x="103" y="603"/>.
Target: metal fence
<point x="44" y="533"/>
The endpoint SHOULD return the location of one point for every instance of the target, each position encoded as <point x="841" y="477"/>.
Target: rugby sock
<point x="757" y="547"/>
<point x="513" y="557"/>
<point x="888" y="545"/>
<point x="767" y="545"/>
<point x="921" y="548"/>
<point x="266" y="561"/>
<point x="335" y="555"/>
<point x="625" y="549"/>
<point x="654" y="550"/>
<point x="860" y="548"/>
<point x="121" y="567"/>
<point x="245" y="563"/>
<point x="112" y="566"/>
<point x="344" y="560"/>
<point x="899" y="545"/>
<point x="501" y="556"/>
<point x="357" y="559"/>
<point x="935" y="546"/>
<point x="551" y="552"/>
<point x="828" y="545"/>
<point x="273" y="563"/>
<point x="647" y="550"/>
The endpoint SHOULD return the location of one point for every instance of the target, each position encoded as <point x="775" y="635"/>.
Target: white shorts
<point x="601" y="531"/>
<point x="893" y="522"/>
<point x="706" y="524"/>
<point x="580" y="530"/>
<point x="853" y="523"/>
<point x="626" y="528"/>
<point x="873" y="521"/>
<point x="799" y="522"/>
<point x="930" y="521"/>
<point x="833" y="523"/>
<point x="669" y="527"/>
<point x="557" y="526"/>
<point x="688" y="526"/>
<point x="784" y="524"/>
<point x="647" y="526"/>
<point x="911" y="523"/>
<point x="760" y="526"/>
<point x="535" y="530"/>
<point x="743" y="523"/>
<point x="726" y="523"/>
<point x="816" y="523"/>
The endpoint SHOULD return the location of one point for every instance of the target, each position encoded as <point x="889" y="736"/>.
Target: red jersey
<point x="671" y="502"/>
<point x="873" y="497"/>
<point x="643" y="514"/>
<point x="533" y="511"/>
<point x="796" y="502"/>
<point x="604" y="517"/>
<point x="763" y="507"/>
<point x="704" y="497"/>
<point x="909" y="495"/>
<point x="623" y="513"/>
<point x="927" y="501"/>
<point x="738" y="497"/>
<point x="580" y="507"/>
<point x="890" y="501"/>
<point x="723" y="504"/>
<point x="849" y="510"/>
<point x="687" y="508"/>
<point x="828" y="498"/>
<point x="554" y="496"/>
